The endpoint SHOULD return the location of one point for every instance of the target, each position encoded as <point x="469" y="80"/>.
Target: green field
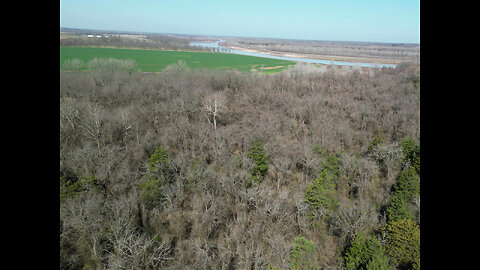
<point x="155" y="60"/>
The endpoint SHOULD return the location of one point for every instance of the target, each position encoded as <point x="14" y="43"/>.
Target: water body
<point x="216" y="47"/>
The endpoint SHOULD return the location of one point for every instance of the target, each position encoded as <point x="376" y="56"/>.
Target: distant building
<point x="89" y="35"/>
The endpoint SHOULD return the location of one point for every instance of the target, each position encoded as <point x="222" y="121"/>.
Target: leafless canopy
<point x="207" y="217"/>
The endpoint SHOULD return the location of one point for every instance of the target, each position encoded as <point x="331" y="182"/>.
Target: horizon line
<point x="216" y="35"/>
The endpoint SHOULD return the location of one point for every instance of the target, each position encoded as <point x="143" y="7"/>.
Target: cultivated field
<point x="156" y="60"/>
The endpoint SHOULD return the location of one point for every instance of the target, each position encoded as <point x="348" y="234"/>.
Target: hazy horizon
<point x="233" y="36"/>
<point x="367" y="21"/>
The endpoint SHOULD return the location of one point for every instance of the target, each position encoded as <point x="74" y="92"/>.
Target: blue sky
<point x="345" y="20"/>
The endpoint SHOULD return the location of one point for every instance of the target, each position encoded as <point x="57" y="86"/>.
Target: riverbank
<point x="321" y="57"/>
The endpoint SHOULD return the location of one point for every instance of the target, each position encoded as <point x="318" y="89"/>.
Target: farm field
<point x="156" y="60"/>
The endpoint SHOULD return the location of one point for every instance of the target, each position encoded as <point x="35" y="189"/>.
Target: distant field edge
<point x="156" y="60"/>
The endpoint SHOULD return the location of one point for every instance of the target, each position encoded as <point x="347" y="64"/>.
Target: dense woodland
<point x="410" y="52"/>
<point x="309" y="168"/>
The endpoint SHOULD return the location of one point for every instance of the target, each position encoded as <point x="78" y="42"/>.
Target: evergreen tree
<point x="257" y="154"/>
<point x="412" y="152"/>
<point x="365" y="252"/>
<point x="408" y="186"/>
<point x="303" y="254"/>
<point x="151" y="193"/>
<point x="321" y="195"/>
<point x="161" y="166"/>
<point x="403" y="243"/>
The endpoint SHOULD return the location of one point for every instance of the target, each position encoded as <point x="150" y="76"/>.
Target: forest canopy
<point x="311" y="167"/>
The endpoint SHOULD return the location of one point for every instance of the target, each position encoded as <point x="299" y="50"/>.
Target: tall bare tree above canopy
<point x="213" y="105"/>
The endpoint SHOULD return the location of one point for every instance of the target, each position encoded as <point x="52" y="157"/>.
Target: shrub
<point x="403" y="243"/>
<point x="317" y="149"/>
<point x="112" y="65"/>
<point x="365" y="252"/>
<point x="303" y="254"/>
<point x="70" y="188"/>
<point x="73" y="65"/>
<point x="178" y="67"/>
<point x="376" y="141"/>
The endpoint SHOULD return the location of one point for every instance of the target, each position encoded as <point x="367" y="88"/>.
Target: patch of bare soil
<point x="275" y="67"/>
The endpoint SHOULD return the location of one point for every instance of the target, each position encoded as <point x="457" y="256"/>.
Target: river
<point x="216" y="47"/>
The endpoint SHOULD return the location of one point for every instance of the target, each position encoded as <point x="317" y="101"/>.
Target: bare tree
<point x="212" y="106"/>
<point x="127" y="124"/>
<point x="69" y="112"/>
<point x="92" y="122"/>
<point x="352" y="218"/>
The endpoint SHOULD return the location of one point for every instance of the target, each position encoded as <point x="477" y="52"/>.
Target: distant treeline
<point x="340" y="48"/>
<point x="159" y="42"/>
